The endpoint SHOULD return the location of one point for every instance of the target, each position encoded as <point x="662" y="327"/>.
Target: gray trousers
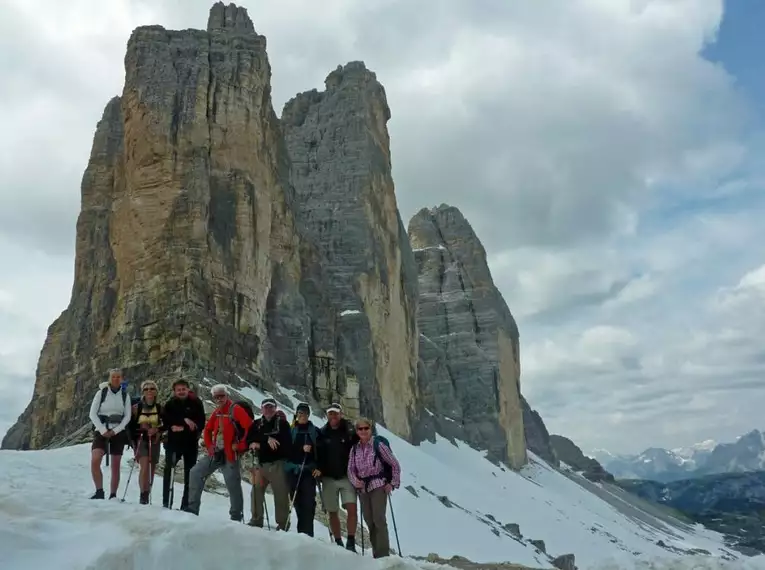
<point x="231" y="475"/>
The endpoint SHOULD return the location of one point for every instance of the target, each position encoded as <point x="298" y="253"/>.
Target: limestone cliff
<point x="339" y="148"/>
<point x="469" y="341"/>
<point x="186" y="241"/>
<point x="195" y="257"/>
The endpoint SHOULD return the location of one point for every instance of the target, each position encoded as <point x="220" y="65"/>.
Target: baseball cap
<point x="268" y="402"/>
<point x="303" y="407"/>
<point x="335" y="407"/>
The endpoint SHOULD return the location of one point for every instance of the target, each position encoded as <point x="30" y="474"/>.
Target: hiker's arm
<point x="171" y="416"/>
<point x="162" y="425"/>
<point x="391" y="460"/>
<point x="355" y="481"/>
<point x="97" y="423"/>
<point x="199" y="414"/>
<point x="126" y="416"/>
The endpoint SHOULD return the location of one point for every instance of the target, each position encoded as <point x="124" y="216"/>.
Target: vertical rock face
<point x="187" y="255"/>
<point x="338" y="144"/>
<point x="469" y="341"/>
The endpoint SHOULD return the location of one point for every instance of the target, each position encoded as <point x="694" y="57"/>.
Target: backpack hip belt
<point x="115" y="419"/>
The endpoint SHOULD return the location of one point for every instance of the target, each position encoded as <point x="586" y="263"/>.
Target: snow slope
<point x="457" y="488"/>
<point x="462" y="502"/>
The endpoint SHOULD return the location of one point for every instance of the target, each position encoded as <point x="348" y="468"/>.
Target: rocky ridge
<point x="217" y="241"/>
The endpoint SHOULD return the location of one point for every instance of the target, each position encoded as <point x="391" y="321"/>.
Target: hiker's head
<point x="334" y="414"/>
<point x="268" y="408"/>
<point x="302" y="412"/>
<point x="364" y="428"/>
<point x="181" y="389"/>
<point x="149" y="391"/>
<point x="219" y="394"/>
<point x="115" y="377"/>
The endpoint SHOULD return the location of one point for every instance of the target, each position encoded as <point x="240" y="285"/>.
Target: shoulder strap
<point x="103" y="395"/>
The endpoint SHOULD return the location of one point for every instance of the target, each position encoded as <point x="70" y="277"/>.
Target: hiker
<point x="146" y="430"/>
<point x="110" y="415"/>
<point x="375" y="472"/>
<point x="301" y="468"/>
<point x="337" y="438"/>
<point x="224" y="436"/>
<point x="184" y="418"/>
<point x="269" y="441"/>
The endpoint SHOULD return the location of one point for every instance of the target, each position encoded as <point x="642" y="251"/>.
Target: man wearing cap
<point x="269" y="438"/>
<point x="184" y="418"/>
<point x="337" y="438"/>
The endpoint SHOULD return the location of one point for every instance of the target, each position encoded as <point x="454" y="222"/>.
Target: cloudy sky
<point x="608" y="152"/>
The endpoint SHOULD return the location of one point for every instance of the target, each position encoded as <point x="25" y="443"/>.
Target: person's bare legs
<point x="144" y="474"/>
<point x="334" y="525"/>
<point x="353" y="519"/>
<point x="114" y="484"/>
<point x="96" y="456"/>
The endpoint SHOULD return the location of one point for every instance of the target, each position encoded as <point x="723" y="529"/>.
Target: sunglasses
<point x="219" y="396"/>
<point x="149" y="389"/>
<point x="364" y="428"/>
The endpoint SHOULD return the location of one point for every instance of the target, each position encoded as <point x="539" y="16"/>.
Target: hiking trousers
<point x="304" y="492"/>
<point x="374" y="506"/>
<point x="231" y="475"/>
<point x="271" y="474"/>
<point x="172" y="457"/>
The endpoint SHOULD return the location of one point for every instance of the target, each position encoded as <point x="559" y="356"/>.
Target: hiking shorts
<point x="332" y="489"/>
<point x="143" y="450"/>
<point x="117" y="442"/>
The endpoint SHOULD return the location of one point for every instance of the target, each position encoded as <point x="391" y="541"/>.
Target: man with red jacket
<point x="224" y="436"/>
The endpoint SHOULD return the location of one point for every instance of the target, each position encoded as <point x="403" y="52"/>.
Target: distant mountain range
<point x="746" y="454"/>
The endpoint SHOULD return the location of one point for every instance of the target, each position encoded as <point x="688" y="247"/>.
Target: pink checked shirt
<point x="362" y="464"/>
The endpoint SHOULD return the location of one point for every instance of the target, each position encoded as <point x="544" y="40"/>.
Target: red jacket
<point x="220" y="419"/>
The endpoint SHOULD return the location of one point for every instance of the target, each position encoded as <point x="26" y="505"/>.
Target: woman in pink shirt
<point x="375" y="472"/>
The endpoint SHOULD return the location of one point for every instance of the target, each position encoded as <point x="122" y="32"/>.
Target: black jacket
<point x="175" y="412"/>
<point x="261" y="430"/>
<point x="336" y="444"/>
<point x="300" y="435"/>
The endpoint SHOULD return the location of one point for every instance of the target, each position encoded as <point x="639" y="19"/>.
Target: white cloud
<point x="598" y="156"/>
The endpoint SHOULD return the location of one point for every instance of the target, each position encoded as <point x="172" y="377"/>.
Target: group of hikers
<point x="346" y="462"/>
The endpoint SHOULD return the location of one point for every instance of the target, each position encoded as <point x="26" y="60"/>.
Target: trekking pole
<point x="361" y="512"/>
<point x="172" y="481"/>
<point x="395" y="529"/>
<point x="265" y="508"/>
<point x="135" y="460"/>
<point x="292" y="499"/>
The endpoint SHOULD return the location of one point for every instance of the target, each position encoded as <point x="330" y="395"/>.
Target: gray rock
<point x="537" y="436"/>
<point x="345" y="204"/>
<point x="469" y="341"/>
<point x="569" y="453"/>
<point x="565" y="562"/>
<point x="539" y="545"/>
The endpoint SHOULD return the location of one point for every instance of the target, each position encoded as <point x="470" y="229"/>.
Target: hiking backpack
<point x="387" y="470"/>
<point x="104" y="392"/>
<point x="239" y="432"/>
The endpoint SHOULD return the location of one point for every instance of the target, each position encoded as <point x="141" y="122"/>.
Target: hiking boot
<point x="144" y="500"/>
<point x="99" y="494"/>
<point x="237" y="518"/>
<point x="350" y="544"/>
<point x="339" y="542"/>
<point x="112" y="496"/>
<point x="252" y="522"/>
